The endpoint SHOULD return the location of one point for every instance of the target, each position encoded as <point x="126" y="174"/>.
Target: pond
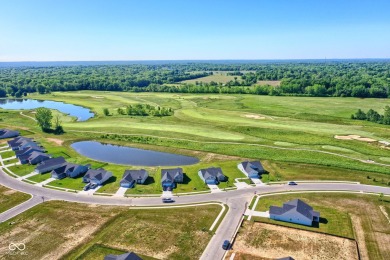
<point x="130" y="156"/>
<point x="81" y="113"/>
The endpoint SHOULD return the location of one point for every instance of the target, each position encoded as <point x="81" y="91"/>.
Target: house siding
<point x="293" y="218"/>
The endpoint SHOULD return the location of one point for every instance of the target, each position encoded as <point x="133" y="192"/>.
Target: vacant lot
<point x="348" y="215"/>
<point x="271" y="241"/>
<point x="69" y="230"/>
<point x="10" y="198"/>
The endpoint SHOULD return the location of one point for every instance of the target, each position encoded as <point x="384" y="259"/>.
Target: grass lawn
<point x="349" y="215"/>
<point x="39" y="177"/>
<point x="57" y="229"/>
<point x="69" y="183"/>
<point x="10" y="198"/>
<point x="22" y="170"/>
<point x="10" y="161"/>
<point x="7" y="154"/>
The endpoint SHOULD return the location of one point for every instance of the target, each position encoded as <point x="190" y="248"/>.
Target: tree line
<point x="373" y="116"/>
<point x="334" y="78"/>
<point x="143" y="110"/>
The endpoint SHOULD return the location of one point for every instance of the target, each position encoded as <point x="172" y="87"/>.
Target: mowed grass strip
<point x="11" y="198"/>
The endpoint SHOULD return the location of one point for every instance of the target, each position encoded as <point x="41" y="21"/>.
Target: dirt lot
<point x="266" y="241"/>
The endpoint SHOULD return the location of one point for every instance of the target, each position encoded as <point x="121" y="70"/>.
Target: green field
<point x="216" y="77"/>
<point x="63" y="230"/>
<point x="292" y="136"/>
<point x="11" y="198"/>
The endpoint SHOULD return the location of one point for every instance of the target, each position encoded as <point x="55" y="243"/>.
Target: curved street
<point x="237" y="200"/>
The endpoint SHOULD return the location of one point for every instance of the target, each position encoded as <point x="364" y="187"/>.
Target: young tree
<point x="106" y="111"/>
<point x="58" y="129"/>
<point x="43" y="116"/>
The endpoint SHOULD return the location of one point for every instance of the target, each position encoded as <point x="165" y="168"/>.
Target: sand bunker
<point x="354" y="137"/>
<point x="254" y="116"/>
<point x="56" y="141"/>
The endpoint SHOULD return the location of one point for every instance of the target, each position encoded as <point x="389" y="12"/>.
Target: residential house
<point x="295" y="211"/>
<point x="28" y="150"/>
<point x="6" y="133"/>
<point x="126" y="256"/>
<point x="98" y="176"/>
<point x="251" y="169"/>
<point x="131" y="177"/>
<point x="34" y="158"/>
<point x="169" y="178"/>
<point x="14" y="143"/>
<point x="212" y="175"/>
<point x="70" y="170"/>
<point x="49" y="165"/>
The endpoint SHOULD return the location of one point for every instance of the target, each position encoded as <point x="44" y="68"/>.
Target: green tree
<point x="106" y="111"/>
<point x="58" y="129"/>
<point x="43" y="116"/>
<point x="386" y="116"/>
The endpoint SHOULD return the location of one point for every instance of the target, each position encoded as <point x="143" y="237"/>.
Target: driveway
<point x="120" y="192"/>
<point x="214" y="188"/>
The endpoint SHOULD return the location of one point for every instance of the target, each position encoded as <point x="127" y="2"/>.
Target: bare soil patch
<point x="262" y="240"/>
<point x="254" y="116"/>
<point x="56" y="141"/>
<point x="354" y="137"/>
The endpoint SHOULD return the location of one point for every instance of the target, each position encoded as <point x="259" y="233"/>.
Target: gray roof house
<point x="6" y="133"/>
<point x="98" y="176"/>
<point x="15" y="143"/>
<point x="251" y="169"/>
<point x="212" y="175"/>
<point x="295" y="211"/>
<point x="169" y="177"/>
<point x="49" y="165"/>
<point x="126" y="256"/>
<point x="131" y="177"/>
<point x="34" y="158"/>
<point x="29" y="150"/>
<point x="69" y="170"/>
<point x="24" y="144"/>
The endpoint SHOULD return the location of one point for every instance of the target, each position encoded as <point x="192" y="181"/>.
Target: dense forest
<point x="331" y="78"/>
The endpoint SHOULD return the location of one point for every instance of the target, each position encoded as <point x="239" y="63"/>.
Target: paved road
<point x="20" y="208"/>
<point x="235" y="199"/>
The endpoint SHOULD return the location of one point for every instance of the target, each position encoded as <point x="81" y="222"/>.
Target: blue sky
<point x="61" y="30"/>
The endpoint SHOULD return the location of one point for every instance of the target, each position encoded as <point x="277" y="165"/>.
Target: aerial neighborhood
<point x="29" y="151"/>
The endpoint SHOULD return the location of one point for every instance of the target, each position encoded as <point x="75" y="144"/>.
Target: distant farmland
<point x="219" y="78"/>
<point x="274" y="83"/>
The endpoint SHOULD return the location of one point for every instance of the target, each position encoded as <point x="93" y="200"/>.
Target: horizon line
<point x="276" y="59"/>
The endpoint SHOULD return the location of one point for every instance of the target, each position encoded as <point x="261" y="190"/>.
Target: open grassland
<point x="347" y="215"/>
<point x="61" y="230"/>
<point x="11" y="198"/>
<point x="292" y="136"/>
<point x="217" y="77"/>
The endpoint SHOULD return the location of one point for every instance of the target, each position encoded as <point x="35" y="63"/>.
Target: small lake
<point x="130" y="156"/>
<point x="81" y="113"/>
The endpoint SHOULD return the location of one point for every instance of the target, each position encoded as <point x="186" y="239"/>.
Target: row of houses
<point x="28" y="151"/>
<point x="170" y="177"/>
